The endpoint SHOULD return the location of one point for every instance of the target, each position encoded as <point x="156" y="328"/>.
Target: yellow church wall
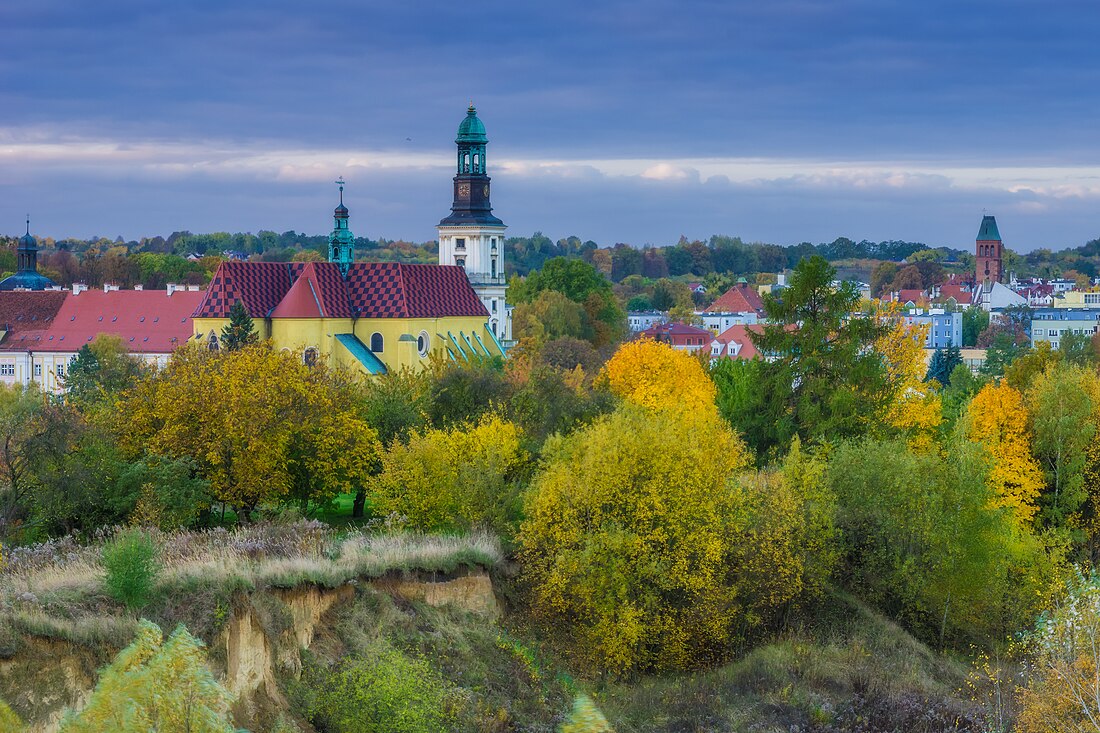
<point x="320" y="333"/>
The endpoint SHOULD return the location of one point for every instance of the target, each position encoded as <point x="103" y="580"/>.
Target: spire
<point x="471" y="183"/>
<point x="341" y="242"/>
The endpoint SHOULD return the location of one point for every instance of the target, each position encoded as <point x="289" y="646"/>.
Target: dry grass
<point x="49" y="589"/>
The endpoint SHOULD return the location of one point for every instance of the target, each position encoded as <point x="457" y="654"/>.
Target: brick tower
<point x="988" y="252"/>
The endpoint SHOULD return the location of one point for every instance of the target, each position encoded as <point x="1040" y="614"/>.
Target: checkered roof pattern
<point x="371" y="290"/>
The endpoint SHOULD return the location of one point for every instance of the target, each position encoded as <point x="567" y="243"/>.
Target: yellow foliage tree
<point x="454" y="478"/>
<point x="640" y="537"/>
<point x="261" y="424"/>
<point x="654" y="375"/>
<point x="156" y="685"/>
<point x="916" y="410"/>
<point x="997" y="419"/>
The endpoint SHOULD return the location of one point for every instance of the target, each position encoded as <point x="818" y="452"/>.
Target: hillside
<point x="280" y="606"/>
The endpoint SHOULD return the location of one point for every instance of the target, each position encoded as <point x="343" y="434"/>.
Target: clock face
<point x="464" y="190"/>
<point x="485" y="191"/>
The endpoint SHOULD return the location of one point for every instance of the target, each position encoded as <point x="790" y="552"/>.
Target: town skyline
<point x="632" y="123"/>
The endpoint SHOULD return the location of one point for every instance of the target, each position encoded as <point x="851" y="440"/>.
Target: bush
<point x="642" y="539"/>
<point x="586" y="718"/>
<point x="384" y="692"/>
<point x="130" y="561"/>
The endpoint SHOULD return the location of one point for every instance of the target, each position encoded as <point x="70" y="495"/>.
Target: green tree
<point x="943" y="364"/>
<point x="162" y="492"/>
<point x="551" y="315"/>
<point x="130" y="564"/>
<point x="239" y="332"/>
<point x="763" y="423"/>
<point x="21" y="425"/>
<point x="974" y="321"/>
<point x="156" y="685"/>
<point x="101" y="370"/>
<point x="821" y="366"/>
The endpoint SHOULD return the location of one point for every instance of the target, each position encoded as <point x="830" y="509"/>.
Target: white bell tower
<point x="471" y="237"/>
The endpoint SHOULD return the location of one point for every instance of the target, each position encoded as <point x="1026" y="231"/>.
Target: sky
<point x="774" y="120"/>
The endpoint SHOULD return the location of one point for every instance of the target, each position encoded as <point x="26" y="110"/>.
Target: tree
<point x="101" y="370"/>
<point x="464" y="391"/>
<point x="915" y="410"/>
<point x="654" y="375"/>
<point x="761" y="422"/>
<point x="943" y="364"/>
<point x="20" y="423"/>
<point x="646" y="545"/>
<point x="549" y="316"/>
<point x="882" y="276"/>
<point x="455" y="478"/>
<point x="974" y="321"/>
<point x="260" y="424"/>
<point x="158" y="685"/>
<point x="997" y="419"/>
<point x="820" y="364"/>
<point x="925" y="540"/>
<point x="239" y="332"/>
<point x="1061" y="404"/>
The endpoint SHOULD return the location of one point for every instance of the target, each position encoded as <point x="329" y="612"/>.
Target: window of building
<point x="7" y="370"/>
<point x="460" y="243"/>
<point x="309" y="356"/>
<point x="1054" y="344"/>
<point x="493" y="243"/>
<point x="494" y="304"/>
<point x="59" y="370"/>
<point x="423" y="344"/>
<point x="494" y="267"/>
<point x="460" y="261"/>
<point x="376" y="343"/>
<point x="38" y="370"/>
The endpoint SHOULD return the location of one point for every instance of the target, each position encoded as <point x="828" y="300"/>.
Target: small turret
<point x="341" y="242"/>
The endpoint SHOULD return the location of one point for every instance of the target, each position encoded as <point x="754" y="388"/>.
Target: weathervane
<point x="340" y="183"/>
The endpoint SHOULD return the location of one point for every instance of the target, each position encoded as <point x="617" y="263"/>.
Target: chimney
<point x="172" y="287"/>
<point x="139" y="288"/>
<point x="108" y="287"/>
<point x="79" y="288"/>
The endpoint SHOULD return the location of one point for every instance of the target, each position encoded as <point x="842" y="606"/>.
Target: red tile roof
<point x="739" y="299"/>
<point x="958" y="292"/>
<point x="740" y="335"/>
<point x="904" y="296"/>
<point x="147" y="321"/>
<point x="28" y="310"/>
<point x="371" y="290"/>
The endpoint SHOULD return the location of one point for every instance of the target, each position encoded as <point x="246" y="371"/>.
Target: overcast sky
<point x="775" y="120"/>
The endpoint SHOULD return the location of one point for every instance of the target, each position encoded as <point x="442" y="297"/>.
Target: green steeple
<point x="471" y="142"/>
<point x="988" y="231"/>
<point x="341" y="241"/>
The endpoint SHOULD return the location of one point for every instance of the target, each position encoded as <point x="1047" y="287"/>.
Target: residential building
<point x="641" y="320"/>
<point x="679" y="336"/>
<point x="43" y="331"/>
<point x="944" y="327"/>
<point x="735" y="343"/>
<point x="719" y="322"/>
<point x="741" y="298"/>
<point x="1052" y="324"/>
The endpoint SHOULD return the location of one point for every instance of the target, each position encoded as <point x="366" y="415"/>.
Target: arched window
<point x="477" y="160"/>
<point x="423" y="343"/>
<point x="376" y="343"/>
<point x="466" y="163"/>
<point x="494" y="266"/>
<point x="460" y="261"/>
<point x="309" y="356"/>
<point x="212" y="342"/>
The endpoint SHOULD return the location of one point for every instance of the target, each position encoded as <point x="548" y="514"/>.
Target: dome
<point x="471" y="130"/>
<point x="27" y="241"/>
<point x="341" y="211"/>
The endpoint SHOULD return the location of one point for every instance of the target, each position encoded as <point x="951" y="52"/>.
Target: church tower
<point x="26" y="275"/>
<point x="471" y="237"/>
<point x="988" y="253"/>
<point x="341" y="241"/>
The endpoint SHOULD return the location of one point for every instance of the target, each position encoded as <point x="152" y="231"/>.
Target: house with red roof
<point x="679" y="336"/>
<point x="740" y="305"/>
<point x="41" y="332"/>
<point x="735" y="343"/>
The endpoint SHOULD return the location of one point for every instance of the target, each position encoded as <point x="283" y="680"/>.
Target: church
<point x="376" y="317"/>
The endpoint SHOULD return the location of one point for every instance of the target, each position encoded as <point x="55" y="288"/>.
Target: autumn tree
<point x="20" y="422"/>
<point x="156" y="684"/>
<point x="654" y="375"/>
<point x="260" y="424"/>
<point x="550" y="315"/>
<point x="648" y="547"/>
<point x="459" y="477"/>
<point x="239" y="332"/>
<point x="915" y="410"/>
<point x="997" y="419"/>
<point x="585" y="717"/>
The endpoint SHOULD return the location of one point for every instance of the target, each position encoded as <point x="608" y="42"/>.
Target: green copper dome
<point x="471" y="130"/>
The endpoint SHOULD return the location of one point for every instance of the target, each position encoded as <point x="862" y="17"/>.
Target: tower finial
<point x="28" y="223"/>
<point x="340" y="183"/>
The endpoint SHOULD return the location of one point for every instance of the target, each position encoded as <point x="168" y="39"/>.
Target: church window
<point x="423" y="344"/>
<point x="212" y="342"/>
<point x="460" y="261"/>
<point x="494" y="267"/>
<point x="494" y="302"/>
<point x="376" y="343"/>
<point x="310" y="357"/>
<point x="466" y="163"/>
<point x="460" y="243"/>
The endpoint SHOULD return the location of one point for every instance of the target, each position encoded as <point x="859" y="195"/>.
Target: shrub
<point x="640" y="537"/>
<point x="130" y="562"/>
<point x="9" y="721"/>
<point x="383" y="692"/>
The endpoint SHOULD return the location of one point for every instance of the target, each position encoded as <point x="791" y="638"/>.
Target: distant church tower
<point x="26" y="275"/>
<point x="471" y="237"/>
<point x="989" y="253"/>
<point x="341" y="241"/>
